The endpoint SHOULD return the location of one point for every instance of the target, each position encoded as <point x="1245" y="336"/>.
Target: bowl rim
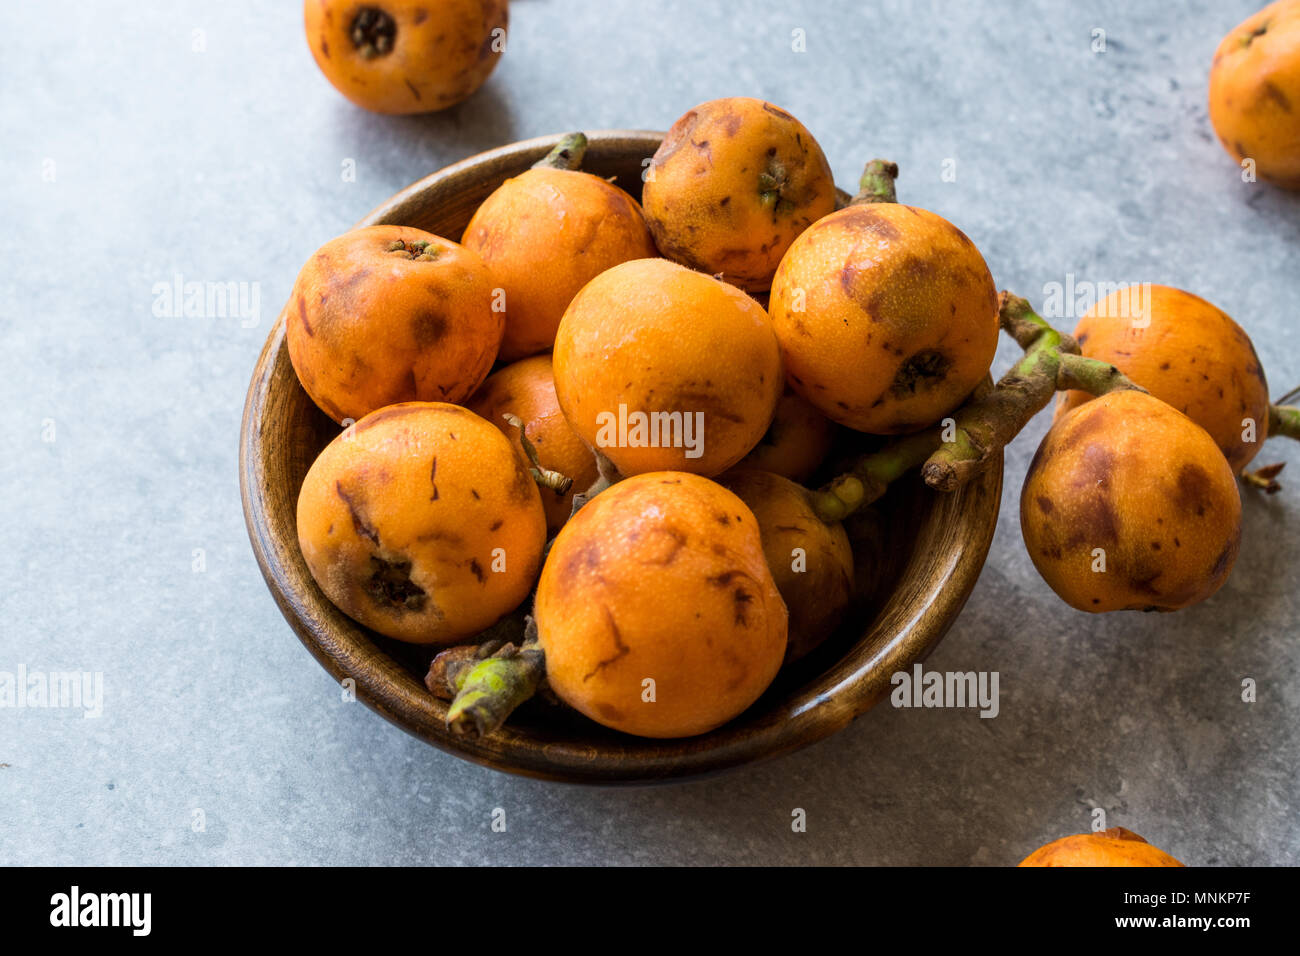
<point x="815" y="710"/>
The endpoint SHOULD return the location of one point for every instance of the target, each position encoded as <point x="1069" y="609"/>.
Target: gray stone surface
<point x="225" y="164"/>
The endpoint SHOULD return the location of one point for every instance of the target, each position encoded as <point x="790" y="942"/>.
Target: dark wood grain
<point x="935" y="546"/>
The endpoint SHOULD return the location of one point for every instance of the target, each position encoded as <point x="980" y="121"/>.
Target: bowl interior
<point x="926" y="550"/>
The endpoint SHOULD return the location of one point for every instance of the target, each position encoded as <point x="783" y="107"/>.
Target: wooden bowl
<point x="931" y="545"/>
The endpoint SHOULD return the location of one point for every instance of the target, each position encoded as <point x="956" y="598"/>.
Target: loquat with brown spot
<point x="660" y="578"/>
<point x="388" y="314"/>
<point x="1129" y="475"/>
<point x="887" y="317"/>
<point x="527" y="389"/>
<point x="656" y="337"/>
<point x="1255" y="92"/>
<point x="422" y="522"/>
<point x="1187" y="353"/>
<point x="796" y="442"/>
<point x="732" y="185"/>
<point x="406" y="56"/>
<point x="817" y="583"/>
<point x="546" y="233"/>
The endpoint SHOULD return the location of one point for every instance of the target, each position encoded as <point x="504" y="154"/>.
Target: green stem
<point x="1089" y="375"/>
<point x="877" y="183"/>
<point x="984" y="427"/>
<point x="489" y="690"/>
<point x="950" y="455"/>
<point x="1284" y="420"/>
<point x="871" y="475"/>
<point x="448" y="668"/>
<point x="486" y="682"/>
<point x="567" y="154"/>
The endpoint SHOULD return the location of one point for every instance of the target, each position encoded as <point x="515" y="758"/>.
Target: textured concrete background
<point x="199" y="139"/>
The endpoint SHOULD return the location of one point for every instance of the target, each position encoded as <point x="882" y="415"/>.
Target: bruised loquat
<point x="656" y="610"/>
<point x="1130" y="505"/>
<point x="388" y="314"/>
<point x="422" y="522"/>
<point x="731" y="186"/>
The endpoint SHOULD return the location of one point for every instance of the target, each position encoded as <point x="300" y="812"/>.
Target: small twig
<point x="568" y="153"/>
<point x="1289" y="397"/>
<point x="606" y="474"/>
<point x="1265" y="478"/>
<point x="951" y="454"/>
<point x="491" y="688"/>
<point x="877" y="183"/>
<point x="558" y="483"/>
<point x="1284" y="421"/>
